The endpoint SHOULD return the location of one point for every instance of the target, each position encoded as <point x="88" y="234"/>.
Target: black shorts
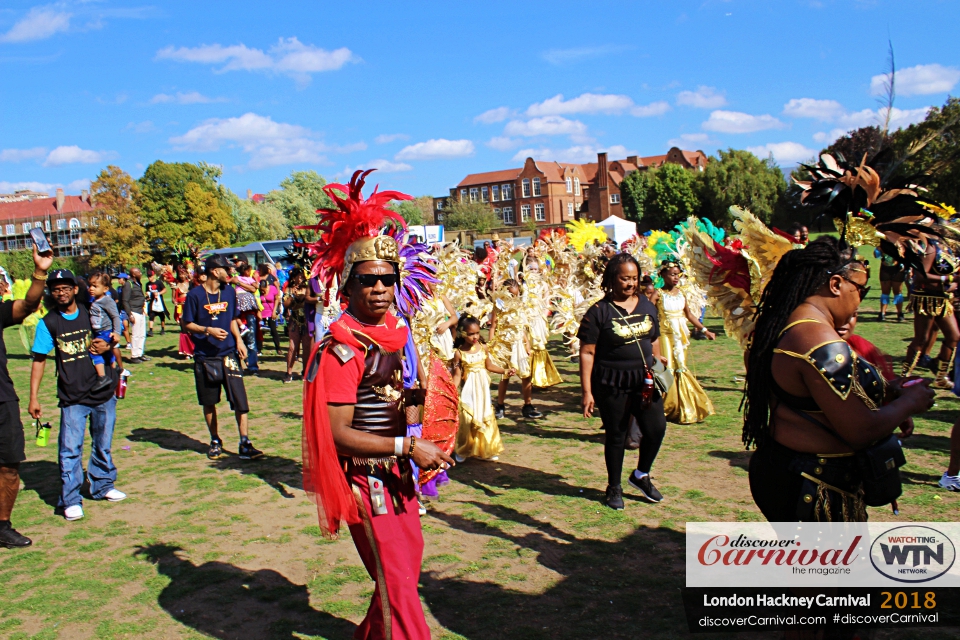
<point x="158" y="314"/>
<point x="11" y="434"/>
<point x="208" y="393"/>
<point x="891" y="274"/>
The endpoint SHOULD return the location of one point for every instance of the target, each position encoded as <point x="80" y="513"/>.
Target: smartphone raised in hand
<point x="40" y="240"/>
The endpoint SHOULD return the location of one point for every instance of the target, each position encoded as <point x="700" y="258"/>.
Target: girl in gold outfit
<point x="479" y="435"/>
<point x="686" y="401"/>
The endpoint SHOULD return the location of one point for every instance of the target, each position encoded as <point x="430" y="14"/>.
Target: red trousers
<point x="391" y="547"/>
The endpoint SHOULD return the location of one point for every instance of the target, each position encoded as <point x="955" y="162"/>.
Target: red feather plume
<point x="352" y="219"/>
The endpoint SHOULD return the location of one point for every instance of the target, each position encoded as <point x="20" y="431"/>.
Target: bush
<point x="19" y="264"/>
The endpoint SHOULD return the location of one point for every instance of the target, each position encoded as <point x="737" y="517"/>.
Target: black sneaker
<point x="163" y="331"/>
<point x="645" y="487"/>
<point x="500" y="411"/>
<point x="249" y="452"/>
<point x="216" y="449"/>
<point x="145" y="358"/>
<point x="102" y="383"/>
<point x="614" y="497"/>
<point x="899" y="317"/>
<point x="530" y="411"/>
<point x="883" y="317"/>
<point x="11" y="538"/>
<point x="288" y="379"/>
<point x="134" y="361"/>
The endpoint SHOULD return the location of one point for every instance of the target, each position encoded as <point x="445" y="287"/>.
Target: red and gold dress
<point x="179" y="298"/>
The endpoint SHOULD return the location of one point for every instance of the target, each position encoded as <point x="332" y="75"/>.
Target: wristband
<point x="40" y="276"/>
<point x="413" y="445"/>
<point x="398" y="446"/>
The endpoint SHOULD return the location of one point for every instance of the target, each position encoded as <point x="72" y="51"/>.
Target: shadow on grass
<point x="42" y="476"/>
<point x="273" y="470"/>
<point x="177" y="365"/>
<point x="225" y="601"/>
<point x="608" y="589"/>
<point x="735" y="458"/>
<point x="488" y="476"/>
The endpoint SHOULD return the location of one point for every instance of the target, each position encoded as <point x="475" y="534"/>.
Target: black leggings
<point x="272" y="324"/>
<point x="616" y="408"/>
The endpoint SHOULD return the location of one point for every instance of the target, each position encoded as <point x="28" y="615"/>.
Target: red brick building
<point x="553" y="193"/>
<point x="63" y="218"/>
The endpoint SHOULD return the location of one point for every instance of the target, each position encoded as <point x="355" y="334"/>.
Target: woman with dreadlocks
<point x="811" y="403"/>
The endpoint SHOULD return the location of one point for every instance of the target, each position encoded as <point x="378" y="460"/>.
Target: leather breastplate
<point x="379" y="407"/>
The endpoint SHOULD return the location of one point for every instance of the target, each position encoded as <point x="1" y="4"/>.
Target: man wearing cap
<point x="210" y="317"/>
<point x="133" y="301"/>
<point x="67" y="332"/>
<point x="12" y="451"/>
<point x="117" y="297"/>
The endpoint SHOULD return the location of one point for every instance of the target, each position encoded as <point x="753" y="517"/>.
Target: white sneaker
<point x="74" y="512"/>
<point x="126" y="373"/>
<point x="949" y="482"/>
<point x="114" y="495"/>
<point x="458" y="457"/>
<point x="422" y="509"/>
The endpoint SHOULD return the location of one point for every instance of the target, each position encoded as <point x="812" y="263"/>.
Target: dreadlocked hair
<point x="463" y="324"/>
<point x="799" y="274"/>
<point x="613" y="268"/>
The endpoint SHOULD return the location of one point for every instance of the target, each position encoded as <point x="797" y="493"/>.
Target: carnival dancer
<point x="180" y="291"/>
<point x="892" y="276"/>
<point x="510" y="347"/>
<point x="686" y="401"/>
<point x="479" y="435"/>
<point x="543" y="372"/>
<point x="824" y="401"/>
<point x="355" y="451"/>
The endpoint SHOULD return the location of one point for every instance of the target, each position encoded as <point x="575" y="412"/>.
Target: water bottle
<point x="43" y="433"/>
<point x="121" y="387"/>
<point x="646" y="394"/>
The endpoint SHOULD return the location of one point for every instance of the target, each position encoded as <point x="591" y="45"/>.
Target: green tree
<point x="671" y="197"/>
<point x="740" y="178"/>
<point x="299" y="197"/>
<point x="167" y="216"/>
<point x="633" y="193"/>
<point x="933" y="146"/>
<point x="468" y="216"/>
<point x="210" y="223"/>
<point x="256" y="221"/>
<point x="416" y="211"/>
<point x="118" y="234"/>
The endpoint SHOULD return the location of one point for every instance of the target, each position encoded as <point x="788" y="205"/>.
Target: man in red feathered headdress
<point x="355" y="447"/>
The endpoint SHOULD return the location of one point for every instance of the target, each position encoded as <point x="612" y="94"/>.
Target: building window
<point x="569" y="185"/>
<point x="497" y="212"/>
<point x="61" y="224"/>
<point x="495" y="195"/>
<point x="26" y="227"/>
<point x="538" y="213"/>
<point x="440" y="218"/>
<point x="536" y="186"/>
<point x="569" y="209"/>
<point x="74" y="223"/>
<point x="463" y="195"/>
<point x="46" y="225"/>
<point x="473" y="194"/>
<point x="614" y="198"/>
<point x="11" y="229"/>
<point x="524" y="213"/>
<point x="508" y="216"/>
<point x="576" y="186"/>
<point x="526" y="188"/>
<point x="484" y="194"/>
<point x="507" y="191"/>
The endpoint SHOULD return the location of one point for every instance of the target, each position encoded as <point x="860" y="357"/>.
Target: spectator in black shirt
<point x="619" y="345"/>
<point x="12" y="451"/>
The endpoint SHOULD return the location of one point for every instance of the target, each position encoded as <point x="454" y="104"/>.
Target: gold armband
<point x="41" y="276"/>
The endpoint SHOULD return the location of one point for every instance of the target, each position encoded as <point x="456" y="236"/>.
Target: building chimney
<point x="85" y="195"/>
<point x="60" y="199"/>
<point x="634" y="160"/>
<point x="249" y="194"/>
<point x="602" y="170"/>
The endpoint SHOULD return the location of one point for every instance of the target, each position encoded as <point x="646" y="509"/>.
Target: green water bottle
<point x="43" y="433"/>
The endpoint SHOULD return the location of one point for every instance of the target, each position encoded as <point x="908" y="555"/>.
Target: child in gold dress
<point x="479" y="435"/>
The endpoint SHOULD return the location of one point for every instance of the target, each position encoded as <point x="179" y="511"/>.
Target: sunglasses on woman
<point x="370" y="279"/>
<point x="861" y="289"/>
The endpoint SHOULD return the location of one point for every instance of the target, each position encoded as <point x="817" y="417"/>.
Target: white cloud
<point x="584" y="103"/>
<point x="785" y="153"/>
<point x="44" y="187"/>
<point x="827" y="137"/>
<point x="899" y="118"/>
<point x="141" y="127"/>
<point x="436" y="149"/>
<point x="823" y="110"/>
<point x="503" y="143"/>
<point x="39" y="23"/>
<point x="576" y="154"/>
<point x="565" y="56"/>
<point x="190" y="97"/>
<point x="494" y="115"/>
<point x="703" y="98"/>
<point x="691" y="139"/>
<point x="74" y="155"/>
<point x="390" y="137"/>
<point x="737" y="122"/>
<point x="77" y="185"/>
<point x="267" y="142"/>
<point x="18" y="155"/>
<point x="288" y="57"/>
<point x="921" y="80"/>
<point x="384" y="166"/>
<point x="648" y="110"/>
<point x="546" y="126"/>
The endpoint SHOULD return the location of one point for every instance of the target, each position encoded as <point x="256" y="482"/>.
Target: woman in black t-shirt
<point x="618" y="344"/>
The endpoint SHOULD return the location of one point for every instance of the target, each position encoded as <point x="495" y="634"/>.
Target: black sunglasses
<point x="370" y="279"/>
<point x="861" y="289"/>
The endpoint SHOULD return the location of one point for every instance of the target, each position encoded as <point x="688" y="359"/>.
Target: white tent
<point x="618" y="229"/>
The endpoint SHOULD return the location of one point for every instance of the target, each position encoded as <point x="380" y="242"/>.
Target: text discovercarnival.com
<point x="764" y="576"/>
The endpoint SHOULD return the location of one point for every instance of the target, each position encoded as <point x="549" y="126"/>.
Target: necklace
<point x="366" y="324"/>
<point x="214" y="308"/>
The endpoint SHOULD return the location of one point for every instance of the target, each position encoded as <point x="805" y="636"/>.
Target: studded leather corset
<point x="379" y="407"/>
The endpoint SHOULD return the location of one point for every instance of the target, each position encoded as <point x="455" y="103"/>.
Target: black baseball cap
<point x="216" y="261"/>
<point x="61" y="275"/>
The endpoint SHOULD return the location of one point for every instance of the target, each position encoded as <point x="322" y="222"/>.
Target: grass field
<point x="519" y="548"/>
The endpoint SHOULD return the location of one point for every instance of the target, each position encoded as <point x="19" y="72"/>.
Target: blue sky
<point x="431" y="91"/>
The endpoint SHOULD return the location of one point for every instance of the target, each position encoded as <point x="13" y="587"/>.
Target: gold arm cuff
<point x="41" y="276"/>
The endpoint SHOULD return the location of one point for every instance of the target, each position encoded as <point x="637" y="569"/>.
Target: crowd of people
<point x="397" y="341"/>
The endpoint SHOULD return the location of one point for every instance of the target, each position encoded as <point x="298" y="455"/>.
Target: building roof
<point x="43" y="207"/>
<point x="506" y="175"/>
